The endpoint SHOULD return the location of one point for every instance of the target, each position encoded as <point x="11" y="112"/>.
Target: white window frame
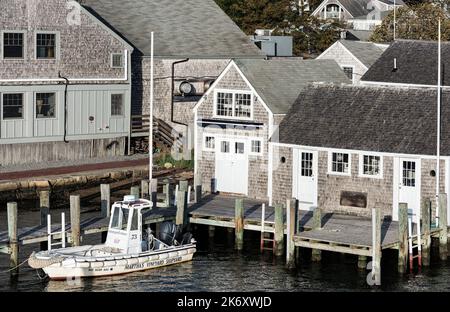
<point x="8" y="31"/>
<point x="234" y="92"/>
<point x="361" y="166"/>
<point x="205" y="148"/>
<point x="353" y="71"/>
<point x="24" y="99"/>
<point x="57" y="45"/>
<point x="123" y="104"/>
<point x="56" y="105"/>
<point x="112" y="60"/>
<point x="261" y="147"/>
<point x="330" y="167"/>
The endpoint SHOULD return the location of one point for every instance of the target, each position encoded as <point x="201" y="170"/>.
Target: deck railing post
<point x="145" y="189"/>
<point x="134" y="191"/>
<point x="75" y="219"/>
<point x="316" y="254"/>
<point x="279" y="229"/>
<point x="182" y="217"/>
<point x="290" y="214"/>
<point x="426" y="241"/>
<point x="376" y="246"/>
<point x="443" y="236"/>
<point x="239" y="223"/>
<point x="154" y="192"/>
<point x="105" y="204"/>
<point x="402" y="237"/>
<point x="13" y="237"/>
<point x="44" y="208"/>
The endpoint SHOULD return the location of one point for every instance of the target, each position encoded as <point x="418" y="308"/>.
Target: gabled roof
<point x="278" y="82"/>
<point x="356" y="7"/>
<point x="416" y="64"/>
<point x="366" y="52"/>
<point x="379" y="119"/>
<point x="183" y="28"/>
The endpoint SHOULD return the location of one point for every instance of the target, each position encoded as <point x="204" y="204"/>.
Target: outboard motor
<point x="168" y="232"/>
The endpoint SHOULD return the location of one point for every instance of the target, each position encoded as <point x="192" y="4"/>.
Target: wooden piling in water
<point x="239" y="223"/>
<point x="134" y="191"/>
<point x="426" y="239"/>
<point x="403" y="237"/>
<point x="183" y="185"/>
<point x="443" y="235"/>
<point x="145" y="189"/>
<point x="154" y="192"/>
<point x="167" y="193"/>
<point x="376" y="246"/>
<point x="13" y="237"/>
<point x="44" y="209"/>
<point x="182" y="216"/>
<point x="316" y="254"/>
<point x="279" y="230"/>
<point x="105" y="204"/>
<point x="75" y="219"/>
<point x="291" y="227"/>
<point x="198" y="188"/>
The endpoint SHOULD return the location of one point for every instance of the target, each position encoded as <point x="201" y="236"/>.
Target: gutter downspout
<point x="65" y="106"/>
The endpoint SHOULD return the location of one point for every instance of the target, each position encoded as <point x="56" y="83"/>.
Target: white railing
<point x="62" y="232"/>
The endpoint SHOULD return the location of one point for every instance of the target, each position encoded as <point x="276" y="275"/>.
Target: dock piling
<point x="182" y="216"/>
<point x="316" y="254"/>
<point x="443" y="236"/>
<point x="44" y="208"/>
<point x="75" y="219"/>
<point x="198" y="188"/>
<point x="154" y="192"/>
<point x="134" y="191"/>
<point x="239" y="223"/>
<point x="145" y="191"/>
<point x="13" y="238"/>
<point x="105" y="204"/>
<point x="279" y="230"/>
<point x="403" y="237"/>
<point x="426" y="240"/>
<point x="183" y="185"/>
<point x="376" y="246"/>
<point x="290" y="213"/>
<point x="167" y="192"/>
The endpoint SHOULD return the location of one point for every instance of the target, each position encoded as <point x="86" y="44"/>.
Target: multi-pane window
<point x="12" y="105"/>
<point x="234" y="104"/>
<point x="116" y="104"/>
<point x="256" y="147"/>
<point x="46" y="46"/>
<point x="340" y="163"/>
<point x="409" y="173"/>
<point x="349" y="72"/>
<point x="13" y="45"/>
<point x="225" y="147"/>
<point x="371" y="165"/>
<point x="45" y="105"/>
<point x="307" y="165"/>
<point x="224" y="104"/>
<point x="210" y="143"/>
<point x="239" y="148"/>
<point x="117" y="60"/>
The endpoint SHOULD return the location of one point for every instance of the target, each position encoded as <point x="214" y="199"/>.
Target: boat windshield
<point x="120" y="218"/>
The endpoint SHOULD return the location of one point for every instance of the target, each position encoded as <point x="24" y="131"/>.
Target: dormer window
<point x="233" y="104"/>
<point x="13" y="45"/>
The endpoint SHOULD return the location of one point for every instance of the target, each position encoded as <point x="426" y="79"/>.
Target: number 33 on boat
<point x="128" y="248"/>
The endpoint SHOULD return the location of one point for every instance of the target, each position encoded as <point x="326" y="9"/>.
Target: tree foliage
<point x="419" y="22"/>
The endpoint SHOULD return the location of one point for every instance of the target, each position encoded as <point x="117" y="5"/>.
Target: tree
<point x="419" y="22"/>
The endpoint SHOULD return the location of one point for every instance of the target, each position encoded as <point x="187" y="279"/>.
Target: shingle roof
<point x="416" y="63"/>
<point x="356" y="7"/>
<point x="380" y="119"/>
<point x="366" y="52"/>
<point x="279" y="82"/>
<point x="363" y="35"/>
<point x="183" y="28"/>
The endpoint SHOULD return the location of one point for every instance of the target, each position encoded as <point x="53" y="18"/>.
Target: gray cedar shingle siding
<point x="381" y="119"/>
<point x="183" y="28"/>
<point x="416" y="63"/>
<point x="279" y="82"/>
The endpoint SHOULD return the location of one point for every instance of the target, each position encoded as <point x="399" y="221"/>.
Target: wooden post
<point x="426" y="241"/>
<point x="403" y="237"/>
<point x="13" y="238"/>
<point x="167" y="193"/>
<point x="290" y="214"/>
<point x="443" y="236"/>
<point x="376" y="246"/>
<point x="239" y="223"/>
<point x="198" y="188"/>
<point x="44" y="208"/>
<point x="154" y="192"/>
<point x="211" y="231"/>
<point x="145" y="189"/>
<point x="75" y="219"/>
<point x="181" y="217"/>
<point x="213" y="185"/>
<point x="105" y="204"/>
<point x="134" y="191"/>
<point x="183" y="186"/>
<point x="316" y="254"/>
<point x="279" y="230"/>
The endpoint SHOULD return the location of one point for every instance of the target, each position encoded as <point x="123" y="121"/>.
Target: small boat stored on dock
<point x="128" y="247"/>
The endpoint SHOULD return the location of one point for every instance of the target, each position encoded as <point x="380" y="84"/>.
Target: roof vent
<point x="395" y="65"/>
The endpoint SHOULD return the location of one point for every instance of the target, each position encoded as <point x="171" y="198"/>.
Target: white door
<point x="409" y="184"/>
<point x="232" y="166"/>
<point x="306" y="186"/>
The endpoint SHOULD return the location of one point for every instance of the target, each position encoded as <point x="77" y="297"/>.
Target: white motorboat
<point x="128" y="247"/>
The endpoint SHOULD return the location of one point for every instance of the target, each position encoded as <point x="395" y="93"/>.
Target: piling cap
<point x="130" y="198"/>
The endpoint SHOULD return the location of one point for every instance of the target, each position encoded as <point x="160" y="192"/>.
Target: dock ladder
<point x="50" y="234"/>
<point x="411" y="245"/>
<point x="264" y="239"/>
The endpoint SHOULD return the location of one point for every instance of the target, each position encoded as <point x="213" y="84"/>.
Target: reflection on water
<point x="218" y="267"/>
